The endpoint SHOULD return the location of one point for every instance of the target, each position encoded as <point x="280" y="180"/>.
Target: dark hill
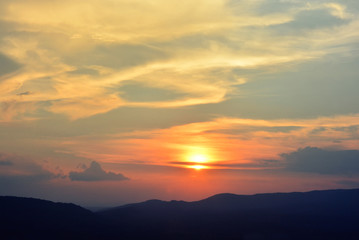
<point x="332" y="214"/>
<point x="29" y="218"/>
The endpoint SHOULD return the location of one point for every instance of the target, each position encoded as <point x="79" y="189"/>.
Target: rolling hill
<point x="330" y="214"/>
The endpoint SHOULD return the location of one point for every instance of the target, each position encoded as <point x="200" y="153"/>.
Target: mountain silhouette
<point x="329" y="214"/>
<point x="29" y="218"/>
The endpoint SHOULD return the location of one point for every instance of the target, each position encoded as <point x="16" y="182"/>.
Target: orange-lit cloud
<point x="221" y="143"/>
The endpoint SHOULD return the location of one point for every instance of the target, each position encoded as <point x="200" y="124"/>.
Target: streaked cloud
<point x="228" y="142"/>
<point x="316" y="160"/>
<point x="192" y="51"/>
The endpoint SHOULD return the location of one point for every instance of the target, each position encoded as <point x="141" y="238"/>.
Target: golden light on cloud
<point x="215" y="144"/>
<point x="89" y="46"/>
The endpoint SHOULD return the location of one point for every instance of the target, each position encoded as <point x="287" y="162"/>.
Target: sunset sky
<point x="106" y="102"/>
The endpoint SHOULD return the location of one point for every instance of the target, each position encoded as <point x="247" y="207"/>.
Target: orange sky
<point x="114" y="101"/>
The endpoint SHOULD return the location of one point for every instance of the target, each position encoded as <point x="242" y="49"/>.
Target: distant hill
<point x="330" y="214"/>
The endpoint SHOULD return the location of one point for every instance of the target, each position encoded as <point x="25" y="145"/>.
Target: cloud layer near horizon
<point x="316" y="160"/>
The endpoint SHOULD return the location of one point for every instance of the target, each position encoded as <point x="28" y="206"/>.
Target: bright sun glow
<point x="198" y="158"/>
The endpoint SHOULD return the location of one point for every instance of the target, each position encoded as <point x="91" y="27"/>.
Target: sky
<point x="107" y="102"/>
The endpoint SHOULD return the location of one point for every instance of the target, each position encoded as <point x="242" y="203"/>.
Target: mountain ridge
<point x="235" y="197"/>
<point x="318" y="214"/>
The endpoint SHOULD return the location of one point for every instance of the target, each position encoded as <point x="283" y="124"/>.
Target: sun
<point x="197" y="158"/>
<point x="198" y="161"/>
<point x="198" y="167"/>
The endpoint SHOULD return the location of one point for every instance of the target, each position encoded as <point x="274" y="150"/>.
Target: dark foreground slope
<point x="332" y="214"/>
<point x="29" y="218"/>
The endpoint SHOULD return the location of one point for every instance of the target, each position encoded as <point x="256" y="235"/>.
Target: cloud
<point x="197" y="59"/>
<point x="142" y="93"/>
<point x="95" y="173"/>
<point x="22" y="176"/>
<point x="7" y="159"/>
<point x="24" y="93"/>
<point x="310" y="20"/>
<point x="258" y="165"/>
<point x="82" y="107"/>
<point x="349" y="183"/>
<point x="7" y="65"/>
<point x="229" y="141"/>
<point x="18" y="172"/>
<point x="5" y="163"/>
<point x="14" y="110"/>
<point x="317" y="160"/>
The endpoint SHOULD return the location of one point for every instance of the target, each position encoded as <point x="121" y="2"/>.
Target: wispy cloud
<point x="193" y="50"/>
